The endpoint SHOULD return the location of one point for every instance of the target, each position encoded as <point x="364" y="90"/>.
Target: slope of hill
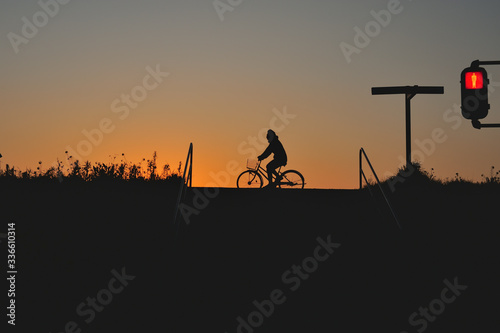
<point x="253" y="260"/>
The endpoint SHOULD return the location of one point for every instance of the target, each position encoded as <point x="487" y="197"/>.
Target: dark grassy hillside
<point x="241" y="247"/>
<point x="377" y="278"/>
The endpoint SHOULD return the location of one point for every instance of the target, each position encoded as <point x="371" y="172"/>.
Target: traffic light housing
<point x="474" y="82"/>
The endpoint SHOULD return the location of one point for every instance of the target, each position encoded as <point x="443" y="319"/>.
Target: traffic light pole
<point x="476" y="63"/>
<point x="478" y="125"/>
<point x="409" y="92"/>
<point x="408" y="97"/>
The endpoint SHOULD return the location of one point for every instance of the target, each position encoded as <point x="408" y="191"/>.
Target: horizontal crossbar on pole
<point x="407" y="90"/>
<point x="477" y="63"/>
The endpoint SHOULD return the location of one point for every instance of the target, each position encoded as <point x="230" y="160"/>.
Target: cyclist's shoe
<point x="270" y="185"/>
<point x="279" y="178"/>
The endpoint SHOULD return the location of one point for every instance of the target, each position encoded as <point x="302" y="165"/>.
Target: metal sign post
<point x="409" y="92"/>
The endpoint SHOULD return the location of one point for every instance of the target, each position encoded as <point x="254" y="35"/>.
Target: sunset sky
<point x="138" y="77"/>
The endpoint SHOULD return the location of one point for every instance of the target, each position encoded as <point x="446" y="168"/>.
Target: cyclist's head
<point x="270" y="135"/>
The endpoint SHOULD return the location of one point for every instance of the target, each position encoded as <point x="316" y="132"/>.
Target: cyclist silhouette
<point x="280" y="157"/>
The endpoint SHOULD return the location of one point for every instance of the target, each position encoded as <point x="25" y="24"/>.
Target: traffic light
<point x="474" y="82"/>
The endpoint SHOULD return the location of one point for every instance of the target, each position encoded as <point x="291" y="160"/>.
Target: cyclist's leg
<point x="278" y="175"/>
<point x="271" y="169"/>
<point x="280" y="164"/>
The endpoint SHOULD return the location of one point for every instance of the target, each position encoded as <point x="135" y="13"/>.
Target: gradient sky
<point x="228" y="79"/>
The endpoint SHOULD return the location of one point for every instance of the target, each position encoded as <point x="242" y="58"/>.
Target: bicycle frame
<point x="290" y="178"/>
<point x="263" y="172"/>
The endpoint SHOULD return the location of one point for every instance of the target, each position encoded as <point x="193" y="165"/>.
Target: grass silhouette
<point x="75" y="170"/>
<point x="415" y="176"/>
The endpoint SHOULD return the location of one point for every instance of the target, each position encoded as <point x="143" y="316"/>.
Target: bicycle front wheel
<point x="249" y="179"/>
<point x="291" y="179"/>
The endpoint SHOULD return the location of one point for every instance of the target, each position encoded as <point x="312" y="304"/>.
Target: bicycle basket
<point x="252" y="164"/>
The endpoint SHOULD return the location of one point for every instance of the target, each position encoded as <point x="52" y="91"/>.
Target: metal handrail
<point x="362" y="175"/>
<point x="185" y="182"/>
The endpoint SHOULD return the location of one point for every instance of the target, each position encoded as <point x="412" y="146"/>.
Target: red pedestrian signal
<point x="474" y="82"/>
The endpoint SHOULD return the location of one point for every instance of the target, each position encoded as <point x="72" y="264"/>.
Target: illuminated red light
<point x="473" y="80"/>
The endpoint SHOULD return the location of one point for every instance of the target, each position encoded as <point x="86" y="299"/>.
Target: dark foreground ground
<point x="105" y="259"/>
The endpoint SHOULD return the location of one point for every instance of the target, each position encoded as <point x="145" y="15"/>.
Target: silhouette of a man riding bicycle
<point x="253" y="177"/>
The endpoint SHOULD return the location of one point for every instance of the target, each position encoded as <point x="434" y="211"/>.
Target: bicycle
<point x="252" y="178"/>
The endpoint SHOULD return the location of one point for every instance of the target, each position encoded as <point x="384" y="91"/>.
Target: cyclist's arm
<point x="266" y="153"/>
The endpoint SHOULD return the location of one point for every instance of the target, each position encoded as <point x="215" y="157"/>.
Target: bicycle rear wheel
<point x="291" y="179"/>
<point x="249" y="179"/>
